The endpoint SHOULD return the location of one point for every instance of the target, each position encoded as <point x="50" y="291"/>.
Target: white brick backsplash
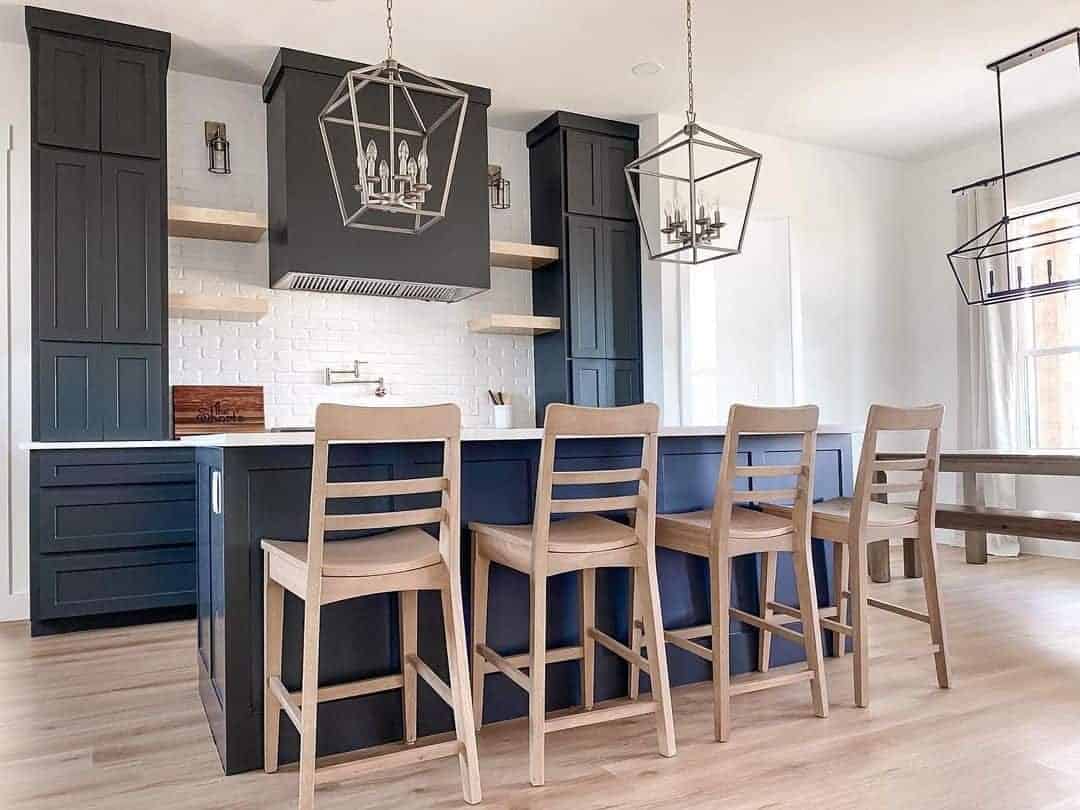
<point x="423" y="350"/>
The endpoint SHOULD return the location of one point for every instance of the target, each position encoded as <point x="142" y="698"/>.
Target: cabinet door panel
<point x="132" y="396"/>
<point x="625" y="380"/>
<point x="590" y="382"/>
<point x="624" y="271"/>
<point x="583" y="173"/>
<point x="68" y="233"/>
<point x="131" y="93"/>
<point x="131" y="250"/>
<point x="589" y="288"/>
<point x="69" y="400"/>
<point x="67" y="91"/>
<point x="616" y="153"/>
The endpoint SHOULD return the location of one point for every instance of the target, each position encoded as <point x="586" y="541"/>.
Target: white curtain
<point x="995" y="337"/>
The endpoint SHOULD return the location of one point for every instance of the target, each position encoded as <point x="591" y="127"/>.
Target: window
<point x="1052" y="367"/>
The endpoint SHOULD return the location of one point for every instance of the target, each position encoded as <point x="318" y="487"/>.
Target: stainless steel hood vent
<point x="350" y="285"/>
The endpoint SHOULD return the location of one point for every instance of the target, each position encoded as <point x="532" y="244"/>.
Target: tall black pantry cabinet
<point x="99" y="243"/>
<point x="580" y="203"/>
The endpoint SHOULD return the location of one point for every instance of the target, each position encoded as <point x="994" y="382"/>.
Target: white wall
<point x="14" y="328"/>
<point x="847" y="247"/>
<point x="933" y="316"/>
<point x="424" y="350"/>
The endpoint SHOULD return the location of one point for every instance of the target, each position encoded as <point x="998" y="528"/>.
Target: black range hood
<point x="311" y="250"/>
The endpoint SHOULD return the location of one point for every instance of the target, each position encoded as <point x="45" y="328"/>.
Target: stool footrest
<point x="431" y="678"/>
<point x="590" y="717"/>
<point x="407" y="755"/>
<point x="289" y="703"/>
<point x="759" y="681"/>
<point x="837" y="627"/>
<point x="620" y="649"/>
<point x="770" y="627"/>
<point x="692" y="647"/>
<point x="505" y="666"/>
<point x="899" y="610"/>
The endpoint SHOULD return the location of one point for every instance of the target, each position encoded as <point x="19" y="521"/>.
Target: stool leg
<point x="457" y="663"/>
<point x="841" y="565"/>
<point x="481" y="572"/>
<point x="811" y="625"/>
<point x="636" y="634"/>
<point x="928" y="553"/>
<point x="766" y="594"/>
<point x="273" y="622"/>
<point x="859" y="625"/>
<point x="588" y="620"/>
<point x="654" y="640"/>
<point x="720" y="592"/>
<point x="309" y="704"/>
<point x="537" y="676"/>
<point x="408" y="618"/>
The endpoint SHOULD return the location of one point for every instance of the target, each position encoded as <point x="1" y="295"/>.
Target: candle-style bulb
<point x="422" y="165"/>
<point x="403" y="157"/>
<point x="411" y="171"/>
<point x="384" y="176"/>
<point x="372" y="156"/>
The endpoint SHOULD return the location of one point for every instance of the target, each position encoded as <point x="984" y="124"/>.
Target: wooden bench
<point x="1019" y="522"/>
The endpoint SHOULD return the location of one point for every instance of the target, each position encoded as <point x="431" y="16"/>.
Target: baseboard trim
<point x="15" y="607"/>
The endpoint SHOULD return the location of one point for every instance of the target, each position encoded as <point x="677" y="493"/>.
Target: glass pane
<point x="1057" y="388"/>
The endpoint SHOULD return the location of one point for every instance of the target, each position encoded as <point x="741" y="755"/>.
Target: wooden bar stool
<point x="405" y="560"/>
<point x="583" y="543"/>
<point x="852" y="524"/>
<point x="727" y="531"/>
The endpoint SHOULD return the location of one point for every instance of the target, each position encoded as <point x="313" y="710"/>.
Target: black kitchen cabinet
<point x="67" y="91"/>
<point x="589" y="286"/>
<point x="112" y="537"/>
<point x="69" y="392"/>
<point x="67" y="238"/>
<point x="131" y="385"/>
<point x="580" y="203"/>
<point x="133" y="301"/>
<point x="595" y="181"/>
<point x="95" y="391"/>
<point x="98" y="255"/>
<point x="132" y="101"/>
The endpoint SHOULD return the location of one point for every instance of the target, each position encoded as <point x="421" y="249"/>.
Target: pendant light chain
<point x="690" y="116"/>
<point x="389" y="29"/>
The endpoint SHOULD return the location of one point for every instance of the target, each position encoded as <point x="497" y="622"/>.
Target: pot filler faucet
<point x="352" y="376"/>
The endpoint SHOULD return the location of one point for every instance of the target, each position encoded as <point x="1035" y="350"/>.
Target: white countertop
<point x="294" y="439"/>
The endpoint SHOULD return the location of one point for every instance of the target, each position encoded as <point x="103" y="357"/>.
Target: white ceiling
<point x="901" y="79"/>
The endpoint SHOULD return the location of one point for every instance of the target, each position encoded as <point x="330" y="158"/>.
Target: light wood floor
<point x="112" y="720"/>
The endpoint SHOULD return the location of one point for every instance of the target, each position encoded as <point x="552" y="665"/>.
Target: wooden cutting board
<point x="201" y="409"/>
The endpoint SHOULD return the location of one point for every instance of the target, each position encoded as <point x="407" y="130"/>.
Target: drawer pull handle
<point x="215" y="491"/>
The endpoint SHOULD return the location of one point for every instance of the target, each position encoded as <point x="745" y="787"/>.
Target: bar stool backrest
<point x="743" y="419"/>
<point x="887" y="419"/>
<point x="569" y="421"/>
<point x="346" y="423"/>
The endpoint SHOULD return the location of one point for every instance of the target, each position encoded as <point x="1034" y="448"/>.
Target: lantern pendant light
<point x="703" y="178"/>
<point x="400" y="169"/>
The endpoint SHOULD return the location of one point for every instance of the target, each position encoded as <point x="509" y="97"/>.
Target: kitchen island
<point x="253" y="486"/>
<point x="245" y="487"/>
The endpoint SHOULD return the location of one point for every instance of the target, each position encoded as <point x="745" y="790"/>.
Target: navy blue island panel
<point x="263" y="492"/>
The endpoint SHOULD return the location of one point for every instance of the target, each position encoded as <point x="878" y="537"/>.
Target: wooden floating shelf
<point x="514" y="325"/>
<point x="216" y="308"/>
<point x="215" y="223"/>
<point x="521" y="256"/>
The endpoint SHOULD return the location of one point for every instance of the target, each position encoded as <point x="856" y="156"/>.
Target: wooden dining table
<point x="973" y="516"/>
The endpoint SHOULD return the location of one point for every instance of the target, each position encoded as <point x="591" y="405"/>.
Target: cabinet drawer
<point x="88" y="584"/>
<point x="102" y="518"/>
<point x="64" y="468"/>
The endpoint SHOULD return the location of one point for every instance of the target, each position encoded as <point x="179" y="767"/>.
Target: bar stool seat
<point x="746" y="524"/>
<point x="575" y="535"/>
<point x="391" y="553"/>
<point x="838" y="510"/>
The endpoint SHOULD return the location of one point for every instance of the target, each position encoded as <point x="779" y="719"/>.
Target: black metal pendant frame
<point x="987" y="248"/>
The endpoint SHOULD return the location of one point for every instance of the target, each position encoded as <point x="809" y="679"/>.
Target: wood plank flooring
<point x="112" y="719"/>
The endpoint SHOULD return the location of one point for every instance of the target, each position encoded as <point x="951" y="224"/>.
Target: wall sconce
<point x="217" y="148"/>
<point x="498" y="188"/>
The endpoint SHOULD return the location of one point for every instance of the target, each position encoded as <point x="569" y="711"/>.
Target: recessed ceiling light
<point x="646" y="68"/>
